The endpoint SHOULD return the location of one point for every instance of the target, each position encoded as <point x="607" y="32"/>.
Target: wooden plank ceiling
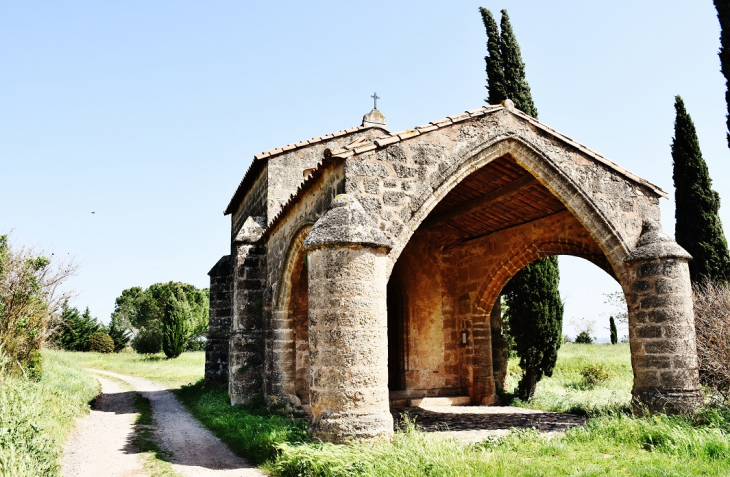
<point x="498" y="196"/>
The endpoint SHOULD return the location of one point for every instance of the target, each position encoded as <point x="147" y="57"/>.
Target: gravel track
<point x="100" y="445"/>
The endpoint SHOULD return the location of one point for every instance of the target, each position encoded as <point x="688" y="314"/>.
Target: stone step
<point x="431" y="401"/>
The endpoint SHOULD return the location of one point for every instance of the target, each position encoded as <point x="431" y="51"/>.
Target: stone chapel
<point x="365" y="267"/>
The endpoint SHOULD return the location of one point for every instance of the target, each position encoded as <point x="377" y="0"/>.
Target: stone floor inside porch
<point x="475" y="423"/>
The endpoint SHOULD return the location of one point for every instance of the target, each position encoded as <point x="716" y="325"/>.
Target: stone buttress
<point x="246" y="352"/>
<point x="348" y="325"/>
<point x="661" y="325"/>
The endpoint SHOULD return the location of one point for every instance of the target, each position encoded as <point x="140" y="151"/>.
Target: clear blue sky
<point x="148" y="113"/>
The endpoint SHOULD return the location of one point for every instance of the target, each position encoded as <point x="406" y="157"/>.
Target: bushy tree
<point x="175" y="320"/>
<point x="141" y="310"/>
<point x="583" y="338"/>
<point x="30" y="299"/>
<point x="698" y="228"/>
<point x="101" y="342"/>
<point x="75" y="329"/>
<point x="723" y="14"/>
<point x="712" y="322"/>
<point x="613" y="329"/>
<point x="535" y="316"/>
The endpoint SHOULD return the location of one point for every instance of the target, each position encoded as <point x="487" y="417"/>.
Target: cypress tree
<point x="516" y="87"/>
<point x="698" y="228"/>
<point x="535" y="311"/>
<point x="535" y="317"/>
<point x="175" y="332"/>
<point x="723" y="14"/>
<point x="495" y="68"/>
<point x="614" y="331"/>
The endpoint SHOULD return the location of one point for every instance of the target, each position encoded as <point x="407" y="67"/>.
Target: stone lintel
<point x="251" y="230"/>
<point x="654" y="244"/>
<point x="346" y="224"/>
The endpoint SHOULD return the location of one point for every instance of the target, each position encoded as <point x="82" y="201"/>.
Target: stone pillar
<point x="482" y="371"/>
<point x="500" y="348"/>
<point x="219" y="324"/>
<point x="246" y="351"/>
<point x="348" y="339"/>
<point x="661" y="325"/>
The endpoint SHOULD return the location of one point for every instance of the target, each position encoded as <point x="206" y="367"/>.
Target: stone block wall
<point x="219" y="325"/>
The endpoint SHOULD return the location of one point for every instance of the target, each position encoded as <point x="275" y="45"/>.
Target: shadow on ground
<point x="486" y="419"/>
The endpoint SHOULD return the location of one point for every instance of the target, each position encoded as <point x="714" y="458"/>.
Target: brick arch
<point x="291" y="348"/>
<point x="577" y="200"/>
<point x="511" y="265"/>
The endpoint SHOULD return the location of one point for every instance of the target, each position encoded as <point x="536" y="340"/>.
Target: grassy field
<point x="35" y="417"/>
<point x="593" y="380"/>
<point x="171" y="373"/>
<point x="568" y="390"/>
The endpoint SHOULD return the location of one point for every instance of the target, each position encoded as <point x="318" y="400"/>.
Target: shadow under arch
<point x="291" y="306"/>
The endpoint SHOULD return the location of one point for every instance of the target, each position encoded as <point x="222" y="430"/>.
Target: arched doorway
<point x="290" y="344"/>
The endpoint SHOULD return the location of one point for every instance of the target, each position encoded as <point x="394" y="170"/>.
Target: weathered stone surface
<point x="654" y="243"/>
<point x="219" y="324"/>
<point x="346" y="223"/>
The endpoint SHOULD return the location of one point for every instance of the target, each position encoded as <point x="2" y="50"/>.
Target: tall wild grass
<point x="36" y="415"/>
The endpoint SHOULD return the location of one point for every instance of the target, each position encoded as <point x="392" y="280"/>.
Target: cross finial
<point x="375" y="100"/>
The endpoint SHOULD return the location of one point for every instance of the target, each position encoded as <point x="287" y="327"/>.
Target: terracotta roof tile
<point x="356" y="143"/>
<point x="367" y="147"/>
<point x="384" y="141"/>
<point x="442" y="122"/>
<point x="425" y="129"/>
<point x="408" y="133"/>
<point x="460" y="117"/>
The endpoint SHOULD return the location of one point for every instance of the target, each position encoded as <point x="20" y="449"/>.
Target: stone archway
<point x="291" y="347"/>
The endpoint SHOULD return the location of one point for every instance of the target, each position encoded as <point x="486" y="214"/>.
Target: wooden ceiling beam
<point x="482" y="202"/>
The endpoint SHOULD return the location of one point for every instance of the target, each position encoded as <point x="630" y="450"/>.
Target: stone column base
<point x="669" y="402"/>
<point x="343" y="427"/>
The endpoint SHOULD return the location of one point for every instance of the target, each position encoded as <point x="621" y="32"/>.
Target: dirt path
<point x="101" y="443"/>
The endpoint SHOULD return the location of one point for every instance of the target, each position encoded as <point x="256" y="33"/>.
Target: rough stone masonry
<point x="365" y="267"/>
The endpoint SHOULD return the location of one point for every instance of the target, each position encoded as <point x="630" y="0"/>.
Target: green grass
<point x="252" y="431"/>
<point x="568" y="391"/>
<point x="188" y="368"/>
<point x="35" y="417"/>
<point x="612" y="442"/>
<point x="606" y="446"/>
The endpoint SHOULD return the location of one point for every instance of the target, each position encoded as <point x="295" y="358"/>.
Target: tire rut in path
<point x="195" y="451"/>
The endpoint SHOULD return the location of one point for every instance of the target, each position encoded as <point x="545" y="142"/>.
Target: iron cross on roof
<point x="375" y="100"/>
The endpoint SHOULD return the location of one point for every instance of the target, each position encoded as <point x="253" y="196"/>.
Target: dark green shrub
<point x="583" y="338"/>
<point x="100" y="342"/>
<point x="119" y="334"/>
<point x="196" y="343"/>
<point x="147" y="342"/>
